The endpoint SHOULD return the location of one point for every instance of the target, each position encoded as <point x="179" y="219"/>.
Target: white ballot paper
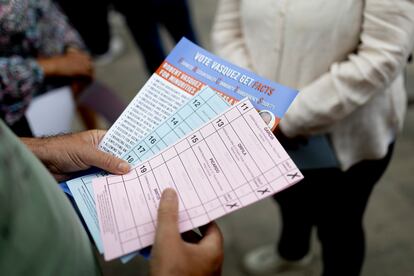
<point x="155" y="102"/>
<point x="52" y="112"/>
<point x="228" y="163"/>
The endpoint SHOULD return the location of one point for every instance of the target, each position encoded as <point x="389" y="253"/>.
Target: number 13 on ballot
<point x="230" y="162"/>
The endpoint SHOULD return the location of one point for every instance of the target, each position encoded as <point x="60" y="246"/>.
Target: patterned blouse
<point x="29" y="29"/>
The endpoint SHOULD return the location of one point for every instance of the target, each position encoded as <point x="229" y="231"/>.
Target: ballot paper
<point x="187" y="70"/>
<point x="197" y="111"/>
<point x="230" y="162"/>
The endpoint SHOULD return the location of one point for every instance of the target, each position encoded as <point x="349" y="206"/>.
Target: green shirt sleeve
<point x="40" y="234"/>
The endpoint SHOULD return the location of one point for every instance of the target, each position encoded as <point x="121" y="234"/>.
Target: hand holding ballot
<point x="193" y="127"/>
<point x="173" y="256"/>
<point x="228" y="163"/>
<point x="66" y="154"/>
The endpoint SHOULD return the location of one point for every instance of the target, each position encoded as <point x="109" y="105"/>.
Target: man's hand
<point x="74" y="63"/>
<point x="173" y="256"/>
<point x="66" y="154"/>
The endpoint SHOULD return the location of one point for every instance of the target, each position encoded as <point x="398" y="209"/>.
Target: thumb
<point x="167" y="224"/>
<point x="213" y="238"/>
<point x="105" y="161"/>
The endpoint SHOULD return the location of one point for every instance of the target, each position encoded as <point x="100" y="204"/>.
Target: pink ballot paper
<point x="230" y="162"/>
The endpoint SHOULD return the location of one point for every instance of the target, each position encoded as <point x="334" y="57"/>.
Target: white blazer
<point x="345" y="57"/>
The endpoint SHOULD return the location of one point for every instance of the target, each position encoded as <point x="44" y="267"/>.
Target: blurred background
<point x="389" y="221"/>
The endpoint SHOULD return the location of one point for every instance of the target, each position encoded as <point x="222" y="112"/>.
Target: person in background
<point x="39" y="51"/>
<point x="174" y="15"/>
<point x="143" y="19"/>
<point x="103" y="45"/>
<point x="347" y="60"/>
<point x="40" y="233"/>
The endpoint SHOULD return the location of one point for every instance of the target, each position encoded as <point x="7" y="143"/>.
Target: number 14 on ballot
<point x="230" y="162"/>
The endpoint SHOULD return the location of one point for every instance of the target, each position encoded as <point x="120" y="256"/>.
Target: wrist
<point x="38" y="146"/>
<point x="48" y="66"/>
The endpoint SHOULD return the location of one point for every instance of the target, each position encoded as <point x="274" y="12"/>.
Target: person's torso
<point x="25" y="30"/>
<point x="294" y="42"/>
<point x="39" y="231"/>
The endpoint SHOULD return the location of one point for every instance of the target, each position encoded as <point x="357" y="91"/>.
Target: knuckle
<point x="166" y="215"/>
<point x="109" y="162"/>
<point x="163" y="212"/>
<point x="93" y="136"/>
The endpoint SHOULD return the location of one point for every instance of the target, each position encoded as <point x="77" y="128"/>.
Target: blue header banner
<point x="235" y="82"/>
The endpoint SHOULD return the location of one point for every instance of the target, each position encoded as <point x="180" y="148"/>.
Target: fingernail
<point x="169" y="194"/>
<point x="124" y="167"/>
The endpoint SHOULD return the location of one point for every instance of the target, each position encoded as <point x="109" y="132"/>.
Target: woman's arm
<point x="74" y="63"/>
<point x="21" y="78"/>
<point x="387" y="39"/>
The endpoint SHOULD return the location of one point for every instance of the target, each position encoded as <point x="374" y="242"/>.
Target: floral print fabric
<point x="29" y="29"/>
